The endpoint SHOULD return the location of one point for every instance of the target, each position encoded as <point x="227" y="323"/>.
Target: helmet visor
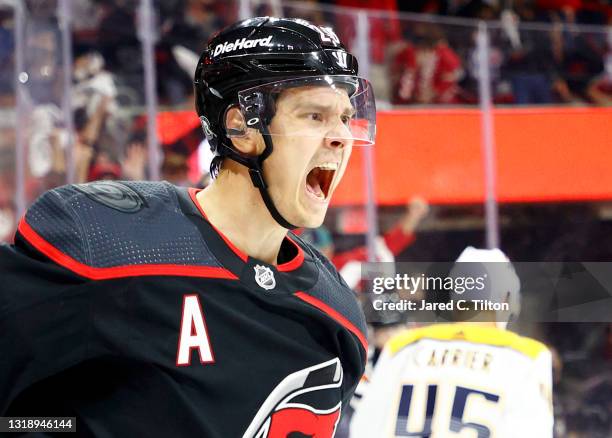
<point x="339" y="108"/>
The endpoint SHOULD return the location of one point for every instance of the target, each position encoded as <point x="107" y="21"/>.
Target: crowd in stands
<point x="423" y="52"/>
<point x="415" y="60"/>
<point x="431" y="60"/>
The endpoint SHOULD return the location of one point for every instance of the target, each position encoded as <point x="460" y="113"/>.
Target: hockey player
<point x="472" y="379"/>
<point x="143" y="309"/>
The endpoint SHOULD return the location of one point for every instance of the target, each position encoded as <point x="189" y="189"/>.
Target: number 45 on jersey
<point x="456" y="423"/>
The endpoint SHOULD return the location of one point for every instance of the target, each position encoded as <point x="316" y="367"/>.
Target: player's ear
<point x="249" y="141"/>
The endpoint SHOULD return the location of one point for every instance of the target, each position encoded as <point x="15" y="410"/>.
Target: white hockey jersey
<point x="458" y="381"/>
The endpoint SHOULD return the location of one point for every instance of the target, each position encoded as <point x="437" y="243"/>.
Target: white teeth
<point x="328" y="166"/>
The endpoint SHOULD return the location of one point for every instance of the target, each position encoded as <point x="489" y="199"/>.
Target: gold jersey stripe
<point x="469" y="333"/>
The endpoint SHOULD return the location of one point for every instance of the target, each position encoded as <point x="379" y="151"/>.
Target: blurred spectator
<point x="529" y="64"/>
<point x="95" y="101"/>
<point x="7" y="222"/>
<point x="117" y="41"/>
<point x="598" y="12"/>
<point x="89" y="124"/>
<point x="46" y="141"/>
<point x="201" y="18"/>
<point x="391" y="244"/>
<point x="91" y="80"/>
<point x="174" y="85"/>
<point x="86" y="16"/>
<point x="385" y="32"/>
<point x="97" y="149"/>
<point x="134" y="162"/>
<point x="7" y="176"/>
<point x="187" y="24"/>
<point x="423" y="6"/>
<point x="104" y="167"/>
<point x="175" y="169"/>
<point x="482" y="9"/>
<point x="427" y="71"/>
<point x="308" y="10"/>
<point x="93" y="86"/>
<point x="599" y="89"/>
<point x="42" y="62"/>
<point x="82" y="155"/>
<point x="92" y="166"/>
<point x="383" y="29"/>
<point x="469" y="86"/>
<point x="7" y="69"/>
<point x="41" y="9"/>
<point x="578" y="57"/>
<point x="585" y="11"/>
<point x="43" y="93"/>
<point x="570" y="5"/>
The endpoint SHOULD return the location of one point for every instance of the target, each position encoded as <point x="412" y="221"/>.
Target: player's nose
<point x="338" y="136"/>
<point x="334" y="142"/>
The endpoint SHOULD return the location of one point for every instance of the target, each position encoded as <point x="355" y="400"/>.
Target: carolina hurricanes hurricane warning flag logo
<point x="306" y="403"/>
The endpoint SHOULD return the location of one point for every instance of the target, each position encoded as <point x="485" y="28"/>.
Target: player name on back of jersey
<point x="466" y="358"/>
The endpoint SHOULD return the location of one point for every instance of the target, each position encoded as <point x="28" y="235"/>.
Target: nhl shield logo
<point x="264" y="277"/>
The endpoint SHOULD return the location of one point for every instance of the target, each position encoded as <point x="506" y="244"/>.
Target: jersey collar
<point x="295" y="274"/>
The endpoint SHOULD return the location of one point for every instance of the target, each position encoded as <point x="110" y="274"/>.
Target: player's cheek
<point x="342" y="169"/>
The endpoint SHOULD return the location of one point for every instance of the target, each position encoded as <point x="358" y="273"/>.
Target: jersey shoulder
<point x="331" y="289"/>
<point x="490" y="336"/>
<point x="110" y="224"/>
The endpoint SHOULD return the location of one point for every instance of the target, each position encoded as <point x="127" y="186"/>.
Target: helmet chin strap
<point x="257" y="178"/>
<point x="255" y="164"/>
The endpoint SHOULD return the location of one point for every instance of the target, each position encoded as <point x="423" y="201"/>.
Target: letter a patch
<point x="193" y="334"/>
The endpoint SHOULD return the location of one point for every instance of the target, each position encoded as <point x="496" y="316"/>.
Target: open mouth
<point x="319" y="179"/>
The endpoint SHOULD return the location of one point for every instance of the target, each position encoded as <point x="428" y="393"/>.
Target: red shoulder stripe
<point x="335" y="315"/>
<point x="93" y="273"/>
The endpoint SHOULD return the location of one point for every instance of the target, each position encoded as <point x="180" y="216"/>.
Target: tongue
<point x="312" y="183"/>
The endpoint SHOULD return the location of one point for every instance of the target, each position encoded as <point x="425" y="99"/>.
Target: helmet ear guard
<point x="251" y="113"/>
<point x="238" y="127"/>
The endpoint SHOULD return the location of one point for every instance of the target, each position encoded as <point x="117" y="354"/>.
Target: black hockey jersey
<point x="122" y="306"/>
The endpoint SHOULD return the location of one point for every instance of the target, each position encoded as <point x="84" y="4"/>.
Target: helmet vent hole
<point x="284" y="65"/>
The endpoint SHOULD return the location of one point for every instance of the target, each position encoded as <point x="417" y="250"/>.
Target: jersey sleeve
<point x="531" y="413"/>
<point x="333" y="296"/>
<point x="359" y="254"/>
<point x="45" y="308"/>
<point x="43" y="319"/>
<point x="397" y="240"/>
<point x="372" y="416"/>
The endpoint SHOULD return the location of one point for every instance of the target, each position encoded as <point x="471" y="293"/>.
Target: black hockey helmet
<point x="248" y="63"/>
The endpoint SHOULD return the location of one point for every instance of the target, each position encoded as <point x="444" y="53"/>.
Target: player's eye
<point x="317" y="117"/>
<point x="346" y="119"/>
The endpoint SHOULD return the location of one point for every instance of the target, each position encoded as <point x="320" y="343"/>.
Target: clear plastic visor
<point x="338" y="108"/>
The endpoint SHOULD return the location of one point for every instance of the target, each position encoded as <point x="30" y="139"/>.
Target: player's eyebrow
<point x="311" y="106"/>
